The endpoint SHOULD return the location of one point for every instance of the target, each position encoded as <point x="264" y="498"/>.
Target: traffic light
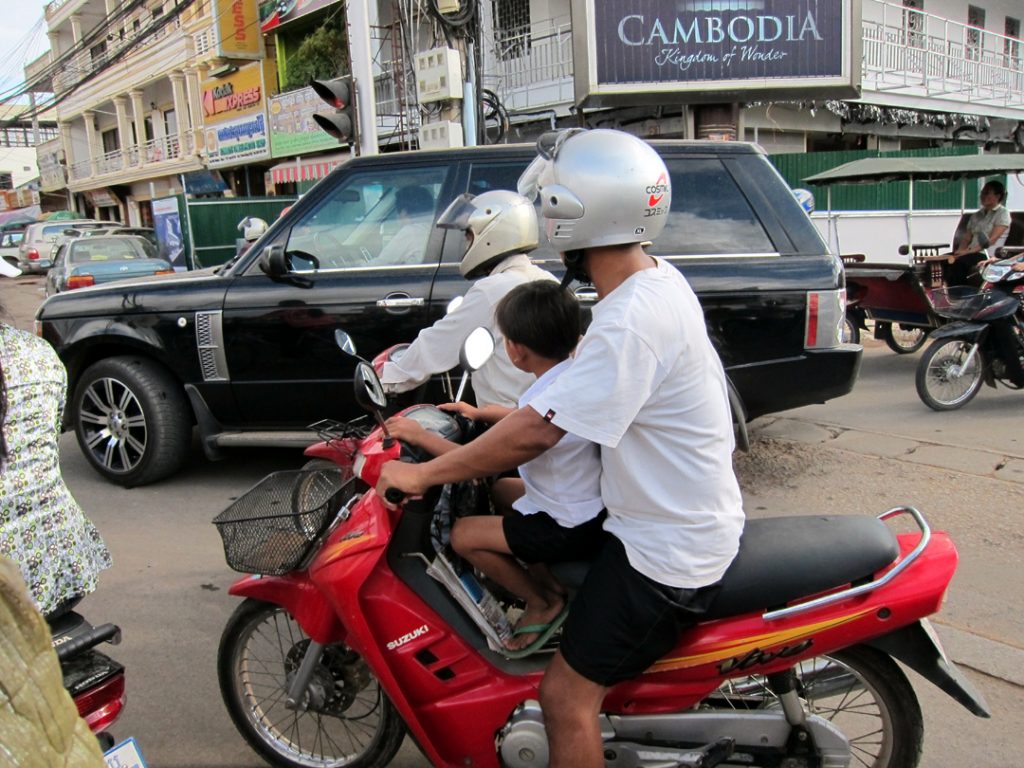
<point x="340" y="93"/>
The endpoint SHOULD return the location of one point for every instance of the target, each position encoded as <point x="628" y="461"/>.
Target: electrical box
<point x="447" y="6"/>
<point x="439" y="75"/>
<point x="442" y="135"/>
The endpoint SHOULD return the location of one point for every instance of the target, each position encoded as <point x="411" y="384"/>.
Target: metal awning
<point x="306" y="168"/>
<point x="875" y="169"/>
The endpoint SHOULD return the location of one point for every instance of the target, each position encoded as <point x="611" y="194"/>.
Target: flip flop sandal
<point x="546" y="631"/>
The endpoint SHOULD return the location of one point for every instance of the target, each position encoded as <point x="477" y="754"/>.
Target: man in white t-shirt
<point x="647" y="386"/>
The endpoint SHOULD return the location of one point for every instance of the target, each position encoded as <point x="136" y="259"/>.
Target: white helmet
<point x="598" y="187"/>
<point x="252" y="227"/>
<point x="499" y="223"/>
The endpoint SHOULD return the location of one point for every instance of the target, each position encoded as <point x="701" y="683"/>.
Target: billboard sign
<point x="167" y="223"/>
<point x="234" y="117"/>
<point x="237" y="30"/>
<point x="292" y="128"/>
<point x="640" y="51"/>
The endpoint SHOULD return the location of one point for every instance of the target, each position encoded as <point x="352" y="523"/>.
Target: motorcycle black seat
<point x="785" y="558"/>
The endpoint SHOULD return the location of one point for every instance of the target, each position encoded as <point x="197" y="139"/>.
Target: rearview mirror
<point x="477" y="349"/>
<point x="344" y="342"/>
<point x="453" y="305"/>
<point x="274" y="261"/>
<point x="369" y="392"/>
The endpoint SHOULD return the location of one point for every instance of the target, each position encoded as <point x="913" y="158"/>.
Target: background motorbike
<point x="95" y="681"/>
<point x="345" y="641"/>
<point x="983" y="344"/>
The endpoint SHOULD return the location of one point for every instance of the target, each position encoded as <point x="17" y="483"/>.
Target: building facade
<point x="168" y="96"/>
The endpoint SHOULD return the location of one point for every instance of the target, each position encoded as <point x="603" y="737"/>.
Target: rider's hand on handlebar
<point x="406" y="430"/>
<point x="462" y="409"/>
<point x="403" y="477"/>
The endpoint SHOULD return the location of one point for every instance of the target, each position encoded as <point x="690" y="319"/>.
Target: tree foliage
<point x="323" y="54"/>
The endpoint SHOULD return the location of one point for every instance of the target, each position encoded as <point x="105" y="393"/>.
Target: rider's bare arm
<point x="411" y="432"/>
<point x="513" y="441"/>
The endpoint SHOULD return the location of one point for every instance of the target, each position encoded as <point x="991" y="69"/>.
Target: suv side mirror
<point x="274" y="261"/>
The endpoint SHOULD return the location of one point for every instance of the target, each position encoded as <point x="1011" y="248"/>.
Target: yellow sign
<point x="237" y="26"/>
<point x="236" y="95"/>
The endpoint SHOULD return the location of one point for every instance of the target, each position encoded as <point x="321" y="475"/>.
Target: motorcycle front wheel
<point x="347" y="719"/>
<point x="861" y="691"/>
<point x="943" y="381"/>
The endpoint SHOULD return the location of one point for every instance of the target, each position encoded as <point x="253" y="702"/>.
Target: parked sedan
<point x="84" y="261"/>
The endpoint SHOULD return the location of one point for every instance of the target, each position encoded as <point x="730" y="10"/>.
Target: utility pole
<point x="361" y="59"/>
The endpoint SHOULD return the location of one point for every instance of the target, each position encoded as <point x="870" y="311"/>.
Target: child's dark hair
<point x="542" y="316"/>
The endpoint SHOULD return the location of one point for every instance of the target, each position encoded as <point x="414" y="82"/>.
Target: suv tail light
<point x="32" y="254"/>
<point x="80" y="281"/>
<point x="824" y="322"/>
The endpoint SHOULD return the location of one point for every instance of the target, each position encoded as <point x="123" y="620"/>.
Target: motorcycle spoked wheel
<point x="903" y="340"/>
<point x="861" y="691"/>
<point x="942" y="383"/>
<point x="349" y="720"/>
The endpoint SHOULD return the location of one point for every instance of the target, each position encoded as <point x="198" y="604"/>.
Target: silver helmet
<point x="598" y="187"/>
<point x="498" y="223"/>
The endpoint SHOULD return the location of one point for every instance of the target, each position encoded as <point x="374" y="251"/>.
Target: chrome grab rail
<point x="846" y="594"/>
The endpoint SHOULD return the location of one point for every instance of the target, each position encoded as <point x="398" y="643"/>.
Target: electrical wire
<point x="495" y="112"/>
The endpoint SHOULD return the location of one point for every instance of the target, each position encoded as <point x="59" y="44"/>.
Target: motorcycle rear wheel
<point x="941" y="384"/>
<point x="862" y="692"/>
<point x="354" y="725"/>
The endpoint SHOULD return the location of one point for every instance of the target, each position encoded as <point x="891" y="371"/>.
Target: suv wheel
<point x="132" y="421"/>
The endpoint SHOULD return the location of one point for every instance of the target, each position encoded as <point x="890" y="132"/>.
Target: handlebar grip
<point x="394" y="495"/>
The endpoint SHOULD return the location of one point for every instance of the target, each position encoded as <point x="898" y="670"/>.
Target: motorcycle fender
<point x="917" y="646"/>
<point x="967" y="331"/>
<point x="300" y="598"/>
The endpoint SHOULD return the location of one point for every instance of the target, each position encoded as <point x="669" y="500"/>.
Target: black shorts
<point x="538" y="538"/>
<point x="621" y="622"/>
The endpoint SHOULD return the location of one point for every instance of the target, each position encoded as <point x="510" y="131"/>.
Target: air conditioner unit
<point x="439" y="75"/>
<point x="442" y="135"/>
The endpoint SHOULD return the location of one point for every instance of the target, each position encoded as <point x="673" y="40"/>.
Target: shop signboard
<point x="274" y="13"/>
<point x="292" y="128"/>
<point x="234" y="117"/>
<point x="236" y="29"/>
<point x="642" y="51"/>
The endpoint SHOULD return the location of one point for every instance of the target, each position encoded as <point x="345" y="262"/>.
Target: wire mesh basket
<point x="272" y="527"/>
<point x="962" y="303"/>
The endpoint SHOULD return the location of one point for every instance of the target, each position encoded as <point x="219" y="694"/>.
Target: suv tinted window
<point x="376" y="218"/>
<point x="710" y="214"/>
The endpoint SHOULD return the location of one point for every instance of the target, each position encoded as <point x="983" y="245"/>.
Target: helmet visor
<point x="458" y="213"/>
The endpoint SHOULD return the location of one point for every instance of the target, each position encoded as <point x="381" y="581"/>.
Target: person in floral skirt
<point x="42" y="528"/>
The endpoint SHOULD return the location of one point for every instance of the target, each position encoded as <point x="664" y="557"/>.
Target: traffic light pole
<point x="362" y="69"/>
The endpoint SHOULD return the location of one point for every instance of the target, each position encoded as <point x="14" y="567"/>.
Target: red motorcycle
<point x="355" y="629"/>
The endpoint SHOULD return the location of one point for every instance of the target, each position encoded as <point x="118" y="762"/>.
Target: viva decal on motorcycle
<point x="984" y="343"/>
<point x="350" y="634"/>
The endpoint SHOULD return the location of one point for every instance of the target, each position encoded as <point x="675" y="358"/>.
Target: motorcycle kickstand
<point x="297" y="689"/>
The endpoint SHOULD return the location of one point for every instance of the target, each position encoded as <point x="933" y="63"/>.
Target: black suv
<point x="245" y="351"/>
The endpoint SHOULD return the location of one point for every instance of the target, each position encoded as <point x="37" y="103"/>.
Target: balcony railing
<point x="159" y="150"/>
<point x="916" y="53"/>
<point x="530" y="66"/>
<point x="75" y="71"/>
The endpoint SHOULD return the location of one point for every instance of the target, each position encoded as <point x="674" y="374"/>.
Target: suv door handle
<point x="399" y="301"/>
<point x="586" y="294"/>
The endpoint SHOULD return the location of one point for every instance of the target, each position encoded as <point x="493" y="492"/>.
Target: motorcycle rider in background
<point x="501" y="229"/>
<point x="252" y="229"/>
<point x="648" y="387"/>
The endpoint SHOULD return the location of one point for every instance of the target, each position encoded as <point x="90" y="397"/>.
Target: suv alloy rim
<point x="114" y="425"/>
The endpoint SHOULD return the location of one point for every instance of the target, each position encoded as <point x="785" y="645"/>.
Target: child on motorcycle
<point x="557" y="513"/>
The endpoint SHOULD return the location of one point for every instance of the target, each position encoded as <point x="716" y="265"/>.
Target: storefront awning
<point x="306" y="168"/>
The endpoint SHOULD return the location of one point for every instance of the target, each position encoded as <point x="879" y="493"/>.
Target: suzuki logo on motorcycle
<point x="407" y="637"/>
<point x="757" y="656"/>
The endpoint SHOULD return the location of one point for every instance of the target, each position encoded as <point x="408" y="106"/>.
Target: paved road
<point x="861" y="454"/>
